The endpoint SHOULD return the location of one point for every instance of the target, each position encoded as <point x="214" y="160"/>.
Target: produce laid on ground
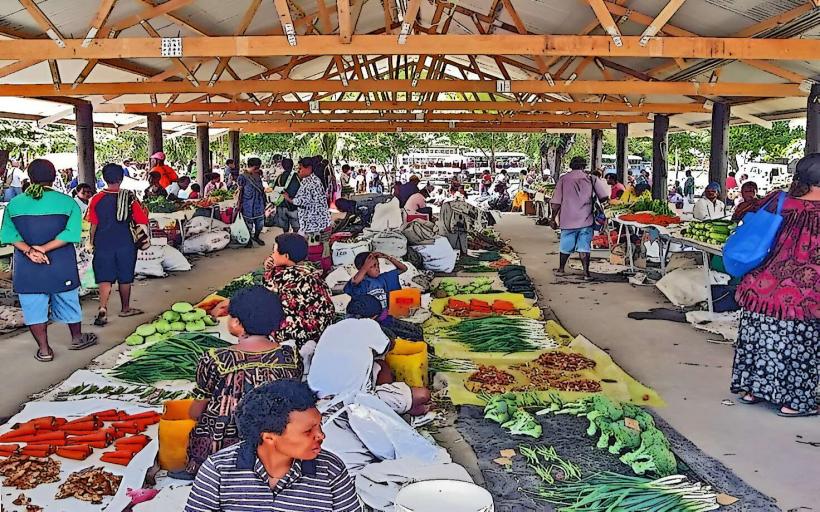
<point x="491" y="379"/>
<point x="24" y="501"/>
<point x="440" y="364"/>
<point x="488" y="261"/>
<point x="503" y="333"/>
<point x="240" y="283"/>
<point x="24" y="472"/>
<point x="145" y="394"/>
<point x="504" y="409"/>
<point x="76" y="439"/>
<point x="221" y="194"/>
<point x="90" y="484"/>
<point x="182" y="317"/>
<point x="487" y="240"/>
<point x="548" y="465"/>
<point x="172" y="358"/>
<point x="449" y="287"/>
<point x="159" y="204"/>
<point x="650" y="219"/>
<point x="623" y="429"/>
<point x="479" y="308"/>
<point x="714" y="232"/>
<point x="516" y="280"/>
<point x="611" y="492"/>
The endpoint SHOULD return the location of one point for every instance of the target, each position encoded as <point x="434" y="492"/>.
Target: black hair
<point x="254" y="162"/>
<point x="83" y="186"/>
<point x="229" y="161"/>
<point x="113" y="173"/>
<point x="287" y="164"/>
<point x="360" y="258"/>
<point x="364" y="306"/>
<point x="306" y="162"/>
<point x="155" y="175"/>
<point x="688" y="173"/>
<point x="184" y="178"/>
<point x="640" y="188"/>
<point x="258" y="309"/>
<point x="345" y="167"/>
<point x="578" y="163"/>
<point x="292" y="244"/>
<point x="41" y="171"/>
<point x="732" y="174"/>
<point x="266" y="409"/>
<point x="195" y="187"/>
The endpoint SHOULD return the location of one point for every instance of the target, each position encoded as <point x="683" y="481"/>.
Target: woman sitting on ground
<point x="279" y="464"/>
<point x="224" y="375"/>
<point x="308" y="308"/>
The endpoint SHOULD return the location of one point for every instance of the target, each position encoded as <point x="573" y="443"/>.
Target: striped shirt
<point x="322" y="484"/>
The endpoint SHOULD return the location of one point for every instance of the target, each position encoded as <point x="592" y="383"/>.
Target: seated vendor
<point x="345" y="361"/>
<point x="369" y="279"/>
<point x="279" y="463"/>
<point x="224" y="375"/>
<point x="710" y="207"/>
<point x="746" y="202"/>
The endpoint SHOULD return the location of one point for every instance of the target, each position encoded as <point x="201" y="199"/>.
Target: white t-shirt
<point x="174" y="190"/>
<point x="705" y="210"/>
<point x="17" y="177"/>
<point x="343" y="361"/>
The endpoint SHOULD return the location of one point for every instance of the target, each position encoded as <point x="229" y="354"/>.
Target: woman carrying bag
<point x="779" y="334"/>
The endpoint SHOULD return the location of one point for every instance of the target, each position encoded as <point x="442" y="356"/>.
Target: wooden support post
<point x="596" y="149"/>
<point x="621" y="152"/>
<point x="233" y="146"/>
<point x="84" y="115"/>
<point x="203" y="153"/>
<point x="660" y="154"/>
<point x="154" y="133"/>
<point x="813" y="121"/>
<point x="719" y="155"/>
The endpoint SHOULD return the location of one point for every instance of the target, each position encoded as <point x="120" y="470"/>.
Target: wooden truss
<point x="407" y="75"/>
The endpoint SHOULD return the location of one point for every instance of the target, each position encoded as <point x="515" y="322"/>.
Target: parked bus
<point x="512" y="162"/>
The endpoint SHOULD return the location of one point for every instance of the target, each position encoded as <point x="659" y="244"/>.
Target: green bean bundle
<point x="174" y="358"/>
<point x="505" y="334"/>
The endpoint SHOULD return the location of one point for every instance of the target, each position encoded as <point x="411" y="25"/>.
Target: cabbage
<point x="134" y="339"/>
<point x="145" y="330"/>
<point x="182" y="307"/>
<point x="162" y="326"/>
<point x="171" y="316"/>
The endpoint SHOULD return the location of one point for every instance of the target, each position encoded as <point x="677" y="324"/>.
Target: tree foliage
<point x="24" y="139"/>
<point x="753" y="142"/>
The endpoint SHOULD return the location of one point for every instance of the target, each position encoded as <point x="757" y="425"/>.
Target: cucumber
<point x="134" y="339"/>
<point x="182" y="307"/>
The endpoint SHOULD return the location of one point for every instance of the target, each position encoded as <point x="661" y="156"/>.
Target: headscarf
<point x="40" y="171"/>
<point x="808" y="170"/>
<point x="713" y="186"/>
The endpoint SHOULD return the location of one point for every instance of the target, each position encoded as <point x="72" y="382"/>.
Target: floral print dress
<point x="305" y="300"/>
<point x="779" y="334"/>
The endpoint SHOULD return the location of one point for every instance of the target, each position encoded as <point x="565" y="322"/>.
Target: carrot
<point x="74" y="452"/>
<point x="91" y="444"/>
<point x="138" y="439"/>
<point x="8" y="449"/>
<point x="97" y="436"/>
<point x="120" y="458"/>
<point x="147" y="422"/>
<point x="52" y="442"/>
<point x="88" y="426"/>
<point x="20" y="432"/>
<point x="143" y="415"/>
<point x="39" y="437"/>
<point x="44" y="423"/>
<point x="114" y="432"/>
<point x="43" y="450"/>
<point x="133" y="449"/>
<point x="109" y="415"/>
<point x="130" y="427"/>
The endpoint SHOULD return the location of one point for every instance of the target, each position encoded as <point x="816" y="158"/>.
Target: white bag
<point x="149" y="262"/>
<point x="438" y="257"/>
<point x="239" y="231"/>
<point x="200" y="224"/>
<point x="206" y="242"/>
<point x="174" y="261"/>
<point x="687" y="286"/>
<point x="345" y="252"/>
<point x="387" y="216"/>
<point x="392" y="243"/>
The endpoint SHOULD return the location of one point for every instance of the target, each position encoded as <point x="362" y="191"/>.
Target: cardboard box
<point x="529" y="208"/>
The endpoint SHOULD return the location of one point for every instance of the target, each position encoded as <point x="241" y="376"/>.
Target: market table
<point x="706" y="249"/>
<point x="633" y="227"/>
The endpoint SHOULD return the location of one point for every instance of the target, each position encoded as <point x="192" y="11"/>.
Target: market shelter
<point x="364" y="65"/>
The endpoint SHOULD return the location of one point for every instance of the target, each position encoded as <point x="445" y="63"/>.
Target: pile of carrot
<point x="651" y="218"/>
<point x="77" y="439"/>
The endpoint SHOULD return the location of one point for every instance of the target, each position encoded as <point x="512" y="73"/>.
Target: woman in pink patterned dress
<point x="779" y="336"/>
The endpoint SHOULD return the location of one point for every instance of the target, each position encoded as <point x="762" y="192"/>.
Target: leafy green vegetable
<point x="499" y="334"/>
<point x="172" y="358"/>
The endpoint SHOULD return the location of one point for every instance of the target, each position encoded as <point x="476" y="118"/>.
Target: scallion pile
<point x="441" y="364"/>
<point x="174" y="358"/>
<point x="611" y="491"/>
<point x="505" y="334"/>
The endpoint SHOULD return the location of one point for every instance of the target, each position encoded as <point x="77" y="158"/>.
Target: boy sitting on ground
<point x="346" y="356"/>
<point x="369" y="279"/>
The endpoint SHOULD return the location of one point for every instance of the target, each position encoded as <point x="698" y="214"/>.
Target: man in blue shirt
<point x="43" y="225"/>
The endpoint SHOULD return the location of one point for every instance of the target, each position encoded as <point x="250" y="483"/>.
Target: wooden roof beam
<point x="16" y="66"/>
<point x="246" y="21"/>
<point x="43" y="22"/>
<point x="605" y="18"/>
<point x="761" y="90"/>
<point x="286" y="21"/>
<point x="328" y="115"/>
<point x="659" y="108"/>
<point x="99" y="20"/>
<point x="149" y="13"/>
<point x="661" y="19"/>
<point x="409" y="20"/>
<point x="396" y="126"/>
<point x="345" y="20"/>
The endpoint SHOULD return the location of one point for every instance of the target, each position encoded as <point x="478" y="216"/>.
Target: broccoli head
<point x="606" y="433"/>
<point x="603" y="406"/>
<point x="595" y="425"/>
<point x="644" y="419"/>
<point x="657" y="459"/>
<point x="649" y="438"/>
<point x="523" y="423"/>
<point x="577" y="408"/>
<point x="500" y="408"/>
<point x="625" y="438"/>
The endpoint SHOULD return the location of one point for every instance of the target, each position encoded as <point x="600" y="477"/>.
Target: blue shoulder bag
<point x="750" y="244"/>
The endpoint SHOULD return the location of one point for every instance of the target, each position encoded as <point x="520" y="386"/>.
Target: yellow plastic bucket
<point x="175" y="426"/>
<point x="408" y="360"/>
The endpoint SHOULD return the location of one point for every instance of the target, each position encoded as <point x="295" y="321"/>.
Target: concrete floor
<point x="23" y="376"/>
<point x="690" y="373"/>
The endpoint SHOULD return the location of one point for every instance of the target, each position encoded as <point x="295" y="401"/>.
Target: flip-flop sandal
<point x="805" y="414"/>
<point x="86" y="340"/>
<point x="131" y="312"/>
<point x="102" y="318"/>
<point x="749" y="401"/>
<point x="44" y="358"/>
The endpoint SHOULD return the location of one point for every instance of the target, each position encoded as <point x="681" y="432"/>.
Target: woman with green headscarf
<point x="43" y="225"/>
